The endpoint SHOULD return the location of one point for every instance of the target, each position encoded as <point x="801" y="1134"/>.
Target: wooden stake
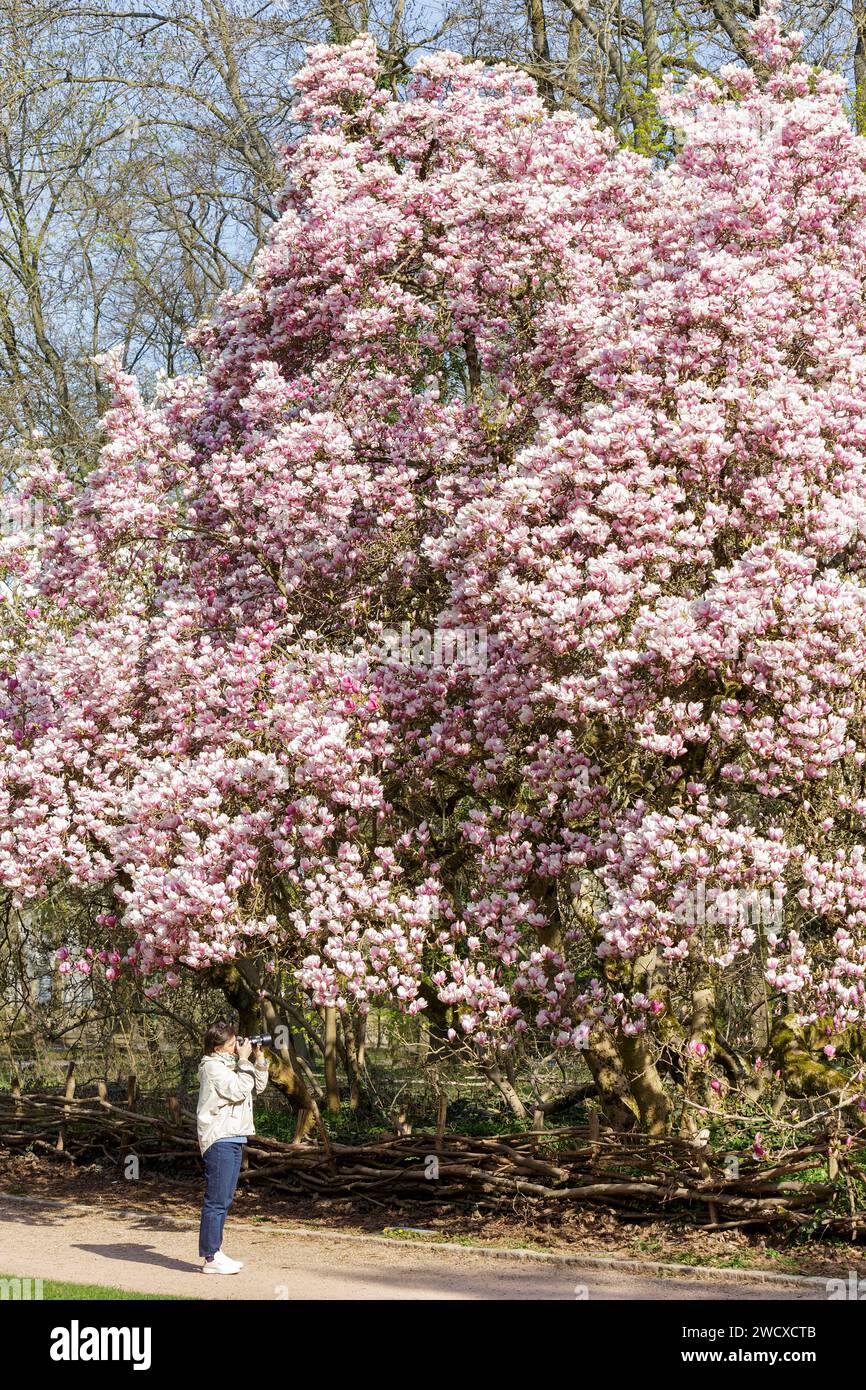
<point x="69" y="1095"/>
<point x="440" y="1120"/>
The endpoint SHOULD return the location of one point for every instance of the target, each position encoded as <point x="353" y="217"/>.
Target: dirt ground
<point x="152" y="1252"/>
<point x="172" y="1198"/>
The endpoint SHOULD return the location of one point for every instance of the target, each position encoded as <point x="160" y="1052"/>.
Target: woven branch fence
<point x="631" y="1173"/>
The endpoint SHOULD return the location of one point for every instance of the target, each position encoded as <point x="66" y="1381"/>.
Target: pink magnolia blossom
<point x="495" y="372"/>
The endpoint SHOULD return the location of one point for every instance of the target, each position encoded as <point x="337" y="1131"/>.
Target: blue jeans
<point x="222" y="1164"/>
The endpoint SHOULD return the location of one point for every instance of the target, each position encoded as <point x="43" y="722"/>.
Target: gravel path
<point x="155" y="1254"/>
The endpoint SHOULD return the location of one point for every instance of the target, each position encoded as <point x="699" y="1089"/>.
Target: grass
<point x="657" y="1250"/>
<point x="670" y="1253"/>
<point x="55" y="1290"/>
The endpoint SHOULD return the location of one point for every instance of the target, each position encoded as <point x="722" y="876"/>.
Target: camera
<point x="258" y="1039"/>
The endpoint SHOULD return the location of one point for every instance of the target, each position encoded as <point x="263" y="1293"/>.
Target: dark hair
<point x="217" y="1034"/>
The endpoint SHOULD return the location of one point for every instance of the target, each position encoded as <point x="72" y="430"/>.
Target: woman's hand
<point x="260" y="1059"/>
<point x="244" y="1050"/>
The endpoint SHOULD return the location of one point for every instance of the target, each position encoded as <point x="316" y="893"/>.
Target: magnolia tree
<point x="483" y="631"/>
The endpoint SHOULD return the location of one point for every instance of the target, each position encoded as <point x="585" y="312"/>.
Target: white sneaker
<point x="239" y="1263"/>
<point x="220" y="1264"/>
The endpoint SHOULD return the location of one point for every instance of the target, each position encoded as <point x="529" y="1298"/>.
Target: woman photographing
<point x="228" y="1079"/>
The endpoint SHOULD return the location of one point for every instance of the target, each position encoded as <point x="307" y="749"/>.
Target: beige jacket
<point x="225" y="1097"/>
